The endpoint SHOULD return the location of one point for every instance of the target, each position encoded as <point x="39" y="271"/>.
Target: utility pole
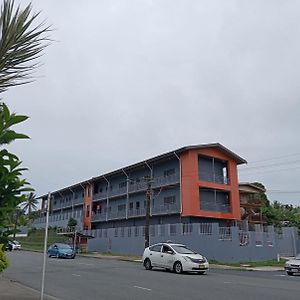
<point x="149" y="181"/>
<point x="45" y="246"/>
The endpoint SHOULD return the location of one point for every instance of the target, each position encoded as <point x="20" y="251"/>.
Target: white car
<point x="175" y="257"/>
<point x="293" y="265"/>
<point x="16" y="245"/>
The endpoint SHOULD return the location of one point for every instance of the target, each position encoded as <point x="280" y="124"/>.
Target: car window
<point x="298" y="257"/>
<point x="166" y="248"/>
<point x="182" y="249"/>
<point x="155" y="248"/>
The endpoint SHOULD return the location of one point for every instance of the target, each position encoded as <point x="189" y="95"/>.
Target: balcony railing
<point x="132" y="213"/>
<point x="211" y="177"/>
<point x="137" y="187"/>
<point x="165" y="209"/>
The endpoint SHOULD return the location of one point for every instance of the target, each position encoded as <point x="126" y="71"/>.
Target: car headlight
<point x="287" y="265"/>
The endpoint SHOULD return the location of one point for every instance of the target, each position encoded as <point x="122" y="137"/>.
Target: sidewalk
<point x="12" y="290"/>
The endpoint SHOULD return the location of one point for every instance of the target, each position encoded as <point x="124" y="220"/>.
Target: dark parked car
<point x="59" y="250"/>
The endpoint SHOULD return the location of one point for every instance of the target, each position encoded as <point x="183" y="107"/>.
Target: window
<point x="96" y="188"/>
<point x="169" y="172"/>
<point x="213" y="170"/>
<point x="214" y="200"/>
<point x="87" y="211"/>
<point x="166" y="248"/>
<point x="100" y="190"/>
<point x="122" y="184"/>
<point x="122" y="207"/>
<point x="137" y="205"/>
<point x="169" y="200"/>
<point x="155" y="248"/>
<point x="131" y="205"/>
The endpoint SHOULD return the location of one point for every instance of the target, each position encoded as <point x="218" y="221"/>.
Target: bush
<point x="3" y="258"/>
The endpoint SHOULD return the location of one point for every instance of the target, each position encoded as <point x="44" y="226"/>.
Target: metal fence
<point x="229" y="244"/>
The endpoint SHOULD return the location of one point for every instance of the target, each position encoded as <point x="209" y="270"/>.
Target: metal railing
<point x="225" y="234"/>
<point x="211" y="177"/>
<point x="165" y="209"/>
<point x="135" y="186"/>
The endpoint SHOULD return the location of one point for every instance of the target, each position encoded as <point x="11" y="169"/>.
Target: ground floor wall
<point x="227" y="244"/>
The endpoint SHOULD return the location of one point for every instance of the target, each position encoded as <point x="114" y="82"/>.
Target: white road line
<point x="142" y="288"/>
<point x="227" y="282"/>
<point x="281" y="275"/>
<point x="76" y="275"/>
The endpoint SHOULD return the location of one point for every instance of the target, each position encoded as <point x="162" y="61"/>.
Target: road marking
<point x="227" y="282"/>
<point x="85" y="264"/>
<point x="142" y="288"/>
<point x="281" y="275"/>
<point x="76" y="275"/>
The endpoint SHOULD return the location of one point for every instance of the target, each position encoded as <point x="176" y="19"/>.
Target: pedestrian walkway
<point x="12" y="290"/>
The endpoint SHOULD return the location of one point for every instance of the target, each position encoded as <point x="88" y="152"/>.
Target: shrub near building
<point x="3" y="258"/>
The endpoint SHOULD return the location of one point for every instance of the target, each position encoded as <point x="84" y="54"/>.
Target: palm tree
<point x="30" y="204"/>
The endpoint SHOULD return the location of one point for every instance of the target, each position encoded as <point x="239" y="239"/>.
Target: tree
<point x="72" y="222"/>
<point x="21" y="44"/>
<point x="30" y="204"/>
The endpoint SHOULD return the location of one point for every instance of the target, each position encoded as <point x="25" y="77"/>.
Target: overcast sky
<point x="127" y="80"/>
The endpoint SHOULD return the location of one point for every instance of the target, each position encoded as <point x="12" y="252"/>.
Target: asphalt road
<point x="92" y="278"/>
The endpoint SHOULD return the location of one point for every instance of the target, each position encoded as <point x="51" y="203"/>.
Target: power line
<point x="271" y="165"/>
<point x="283" y="192"/>
<point x="275" y="157"/>
<point x="270" y="171"/>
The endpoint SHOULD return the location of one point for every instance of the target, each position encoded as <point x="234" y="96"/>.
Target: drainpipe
<point x="127" y="193"/>
<point x="180" y="186"/>
<point x="107" y="198"/>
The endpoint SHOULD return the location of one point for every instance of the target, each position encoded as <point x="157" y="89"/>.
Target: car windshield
<point x="182" y="249"/>
<point x="64" y="247"/>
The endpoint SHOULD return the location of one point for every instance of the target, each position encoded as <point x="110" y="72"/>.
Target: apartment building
<point x="191" y="184"/>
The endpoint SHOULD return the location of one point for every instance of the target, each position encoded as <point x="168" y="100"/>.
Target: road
<point x="92" y="278"/>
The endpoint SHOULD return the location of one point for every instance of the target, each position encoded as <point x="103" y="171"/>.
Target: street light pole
<point x="45" y="246"/>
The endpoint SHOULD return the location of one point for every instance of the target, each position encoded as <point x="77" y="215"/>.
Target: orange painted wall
<point x="87" y="203"/>
<point x="190" y="184"/>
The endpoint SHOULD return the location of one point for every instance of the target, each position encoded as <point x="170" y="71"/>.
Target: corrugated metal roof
<point x="163" y="156"/>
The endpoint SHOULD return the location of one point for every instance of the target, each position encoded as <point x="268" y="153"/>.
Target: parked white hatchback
<point x="175" y="257"/>
<point x="292" y="266"/>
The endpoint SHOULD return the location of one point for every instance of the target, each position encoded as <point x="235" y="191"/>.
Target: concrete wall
<point x="219" y="243"/>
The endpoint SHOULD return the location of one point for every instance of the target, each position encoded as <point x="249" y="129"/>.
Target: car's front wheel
<point x="147" y="264"/>
<point x="178" y="267"/>
<point x="290" y="273"/>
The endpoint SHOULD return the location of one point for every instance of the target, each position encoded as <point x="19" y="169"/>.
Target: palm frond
<point x="21" y="43"/>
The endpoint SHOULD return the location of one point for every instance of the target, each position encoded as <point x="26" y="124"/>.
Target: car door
<point x="167" y="257"/>
<point x="155" y="255"/>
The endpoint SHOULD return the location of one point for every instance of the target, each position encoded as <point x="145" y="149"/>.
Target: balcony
<point x="135" y="187"/>
<point x="212" y="177"/>
<point x="165" y="209"/>
<point x="134" y="213"/>
<point x="69" y="204"/>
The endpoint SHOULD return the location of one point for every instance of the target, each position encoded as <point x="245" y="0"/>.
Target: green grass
<point x="252" y="264"/>
<point x="35" y="239"/>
